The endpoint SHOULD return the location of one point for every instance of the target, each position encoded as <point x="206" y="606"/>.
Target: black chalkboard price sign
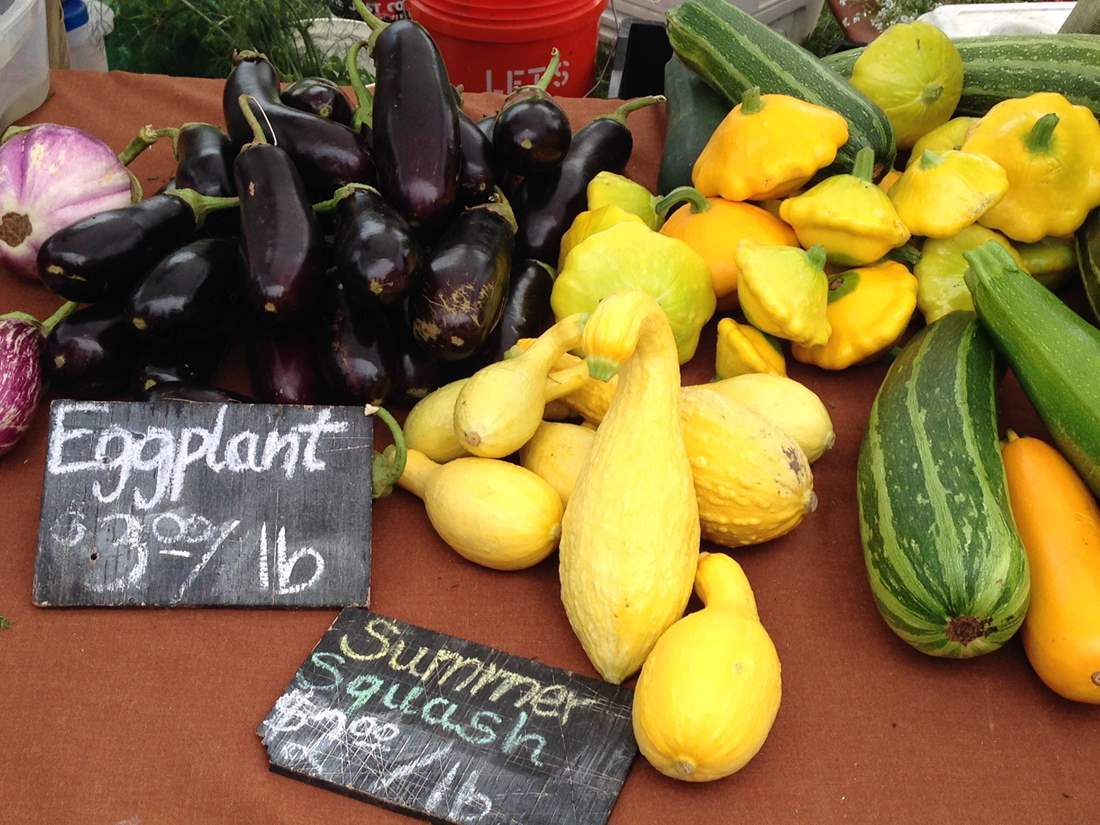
<point x="450" y="730"/>
<point x="178" y="504"/>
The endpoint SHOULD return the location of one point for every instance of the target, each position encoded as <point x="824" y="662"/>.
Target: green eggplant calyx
<point x="864" y="165"/>
<point x="816" y="255"/>
<point x="601" y="368"/>
<point x="619" y="115"/>
<point x="25" y="317"/>
<point x="364" y="112"/>
<point x="377" y="25"/>
<point x="498" y="205"/>
<point x="750" y="101"/>
<point x="202" y="205"/>
<point x="1039" y="140"/>
<point x="389" y="465"/>
<point x="679" y="195"/>
<point x="145" y="138"/>
<point x="344" y="191"/>
<point x="241" y="55"/>
<point x="931" y="93"/>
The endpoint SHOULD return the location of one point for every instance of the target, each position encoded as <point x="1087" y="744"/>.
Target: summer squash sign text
<point x="205" y="504"/>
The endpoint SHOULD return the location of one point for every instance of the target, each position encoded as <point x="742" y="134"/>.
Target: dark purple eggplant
<point x="204" y="162"/>
<point x="414" y="373"/>
<point x="328" y="154"/>
<point x="415" y="123"/>
<point x="189" y="295"/>
<point x="193" y="363"/>
<point x="462" y="293"/>
<point x="354" y="350"/>
<point x="90" y="354"/>
<point x="193" y="393"/>
<point x="318" y="96"/>
<point x="549" y="203"/>
<point x="101" y="257"/>
<point x="486" y="125"/>
<point x="283" y="366"/>
<point x="279" y="233"/>
<point x="527" y="312"/>
<point x="375" y="253"/>
<point x="531" y="135"/>
<point x="478" y="175"/>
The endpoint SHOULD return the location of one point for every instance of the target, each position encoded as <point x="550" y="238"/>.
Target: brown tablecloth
<point x="149" y="716"/>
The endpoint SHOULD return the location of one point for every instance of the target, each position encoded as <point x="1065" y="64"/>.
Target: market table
<point x="149" y="716"/>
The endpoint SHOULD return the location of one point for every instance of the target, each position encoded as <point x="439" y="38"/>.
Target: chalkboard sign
<point x="445" y="728"/>
<point x="180" y="504"/>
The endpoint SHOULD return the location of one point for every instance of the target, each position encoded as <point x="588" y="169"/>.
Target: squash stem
<point x="988" y="262"/>
<point x="364" y="112"/>
<point x="389" y="465"/>
<point x="816" y="256"/>
<point x="679" y="195"/>
<point x="864" y="165"/>
<point x="930" y="159"/>
<point x="932" y="93"/>
<point x="602" y="368"/>
<point x="1038" y="140"/>
<point x="750" y="101"/>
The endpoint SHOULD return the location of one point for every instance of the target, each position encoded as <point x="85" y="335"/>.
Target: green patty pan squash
<point x="632" y="256"/>
<point x="630" y="536"/>
<point x="941" y="288"/>
<point x="710" y="691"/>
<point x="784" y="292"/>
<point x="848" y="215"/>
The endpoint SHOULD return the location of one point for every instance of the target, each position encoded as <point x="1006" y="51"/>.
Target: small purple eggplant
<point x="52" y="176"/>
<point x="21" y="340"/>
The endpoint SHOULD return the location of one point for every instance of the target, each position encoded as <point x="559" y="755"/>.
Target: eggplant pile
<point x="364" y="253"/>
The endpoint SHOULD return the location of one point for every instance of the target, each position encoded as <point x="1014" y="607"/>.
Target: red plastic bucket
<point x="486" y="51"/>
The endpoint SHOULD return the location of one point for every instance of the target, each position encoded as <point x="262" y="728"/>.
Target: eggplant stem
<point x="551" y="70"/>
<point x="389" y="465"/>
<point x="258" y="136"/>
<point x="679" y="195"/>
<point x="364" y="112"/>
<point x="62" y="312"/>
<point x="498" y="204"/>
<point x="377" y="25"/>
<point x="321" y="207"/>
<point x="201" y="205"/>
<point x="619" y="115"/>
<point x="145" y="138"/>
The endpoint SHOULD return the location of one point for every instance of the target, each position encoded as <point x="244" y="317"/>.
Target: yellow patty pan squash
<point x="632" y="256"/>
<point x="710" y="691"/>
<point x="743" y="348"/>
<point x="784" y="291"/>
<point x="915" y="74"/>
<point x="851" y="218"/>
<point x="610" y="189"/>
<point x="752" y="481"/>
<point x="494" y="513"/>
<point x="949" y="136"/>
<point x="630" y="536"/>
<point x="1048" y="147"/>
<point x="945" y="192"/>
<point x="715" y="228"/>
<point x="557" y="453"/>
<point x="1051" y="261"/>
<point x="768" y="147"/>
<point x="941" y="268"/>
<point x="869" y="309"/>
<point x="592" y="222"/>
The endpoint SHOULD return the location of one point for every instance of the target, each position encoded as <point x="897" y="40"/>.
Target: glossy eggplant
<point x="354" y="350"/>
<point x="486" y="125"/>
<point x="283" y="366"/>
<point x="279" y="233"/>
<point x="414" y="373"/>
<point x="194" y="393"/>
<point x="90" y="354"/>
<point x="415" y="123"/>
<point x="527" y="312"/>
<point x="204" y="162"/>
<point x="375" y="253"/>
<point x="465" y="283"/>
<point x="549" y="203"/>
<point x="193" y="363"/>
<point x="190" y="295"/>
<point x="532" y="135"/>
<point x="318" y="96"/>
<point x="328" y="154"/>
<point x="103" y="256"/>
<point x="478" y="175"/>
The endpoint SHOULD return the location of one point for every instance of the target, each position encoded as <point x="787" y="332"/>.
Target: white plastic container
<point x="24" y="60"/>
<point x="794" y="19"/>
<point x="999" y="18"/>
<point x="87" y="49"/>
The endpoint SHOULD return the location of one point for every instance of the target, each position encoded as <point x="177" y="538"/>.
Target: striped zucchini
<point x="733" y="52"/>
<point x="1005" y="66"/>
<point x="947" y="570"/>
<point x="1053" y="351"/>
<point x="1088" y="259"/>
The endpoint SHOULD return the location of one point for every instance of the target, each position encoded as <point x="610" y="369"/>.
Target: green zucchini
<point x="1088" y="259"/>
<point x="1000" y="67"/>
<point x="946" y="568"/>
<point x="694" y="111"/>
<point x="733" y="52"/>
<point x="1053" y="351"/>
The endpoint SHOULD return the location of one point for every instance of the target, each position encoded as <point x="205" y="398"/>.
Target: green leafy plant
<point x="197" y="38"/>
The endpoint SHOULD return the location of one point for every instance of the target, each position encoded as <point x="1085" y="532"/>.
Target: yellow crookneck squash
<point x="630" y="536"/>
<point x="499" y="408"/>
<point x="710" y="690"/>
<point x="557" y="453"/>
<point x="1059" y="524"/>
<point x="494" y="513"/>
